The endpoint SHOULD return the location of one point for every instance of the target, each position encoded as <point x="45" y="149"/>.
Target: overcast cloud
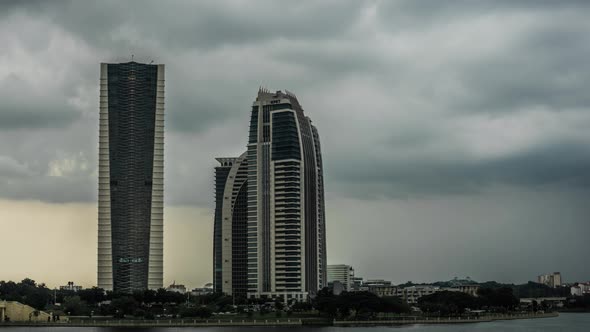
<point x="463" y="123"/>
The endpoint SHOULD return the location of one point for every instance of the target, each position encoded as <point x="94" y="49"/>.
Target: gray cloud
<point x="415" y="101"/>
<point x="559" y="166"/>
<point x="217" y="54"/>
<point x="21" y="107"/>
<point x="212" y="24"/>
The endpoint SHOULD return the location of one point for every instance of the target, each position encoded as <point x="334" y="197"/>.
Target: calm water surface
<point x="563" y="323"/>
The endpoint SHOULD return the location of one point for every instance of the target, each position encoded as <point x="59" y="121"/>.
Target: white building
<point x="376" y="282"/>
<point x="580" y="289"/>
<point x="205" y="290"/>
<point x="176" y="288"/>
<point x="286" y="231"/>
<point x="551" y="279"/>
<point x="413" y="293"/>
<point x="342" y="273"/>
<point x="70" y="287"/>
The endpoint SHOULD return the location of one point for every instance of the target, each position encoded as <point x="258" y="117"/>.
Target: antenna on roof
<point x="262" y="89"/>
<point x="151" y="62"/>
<point x="131" y="57"/>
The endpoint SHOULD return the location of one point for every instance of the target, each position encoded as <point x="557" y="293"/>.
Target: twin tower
<point x="269" y="231"/>
<point x="269" y="227"/>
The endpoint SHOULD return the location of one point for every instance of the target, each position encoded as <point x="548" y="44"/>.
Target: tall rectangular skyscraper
<point x="131" y="177"/>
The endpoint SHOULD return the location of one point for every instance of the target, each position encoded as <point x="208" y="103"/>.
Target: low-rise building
<point x="468" y="289"/>
<point x="413" y="293"/>
<point x="555" y="302"/>
<point x="357" y="283"/>
<point x="205" y="290"/>
<point x="376" y="283"/>
<point x="580" y="289"/>
<point x="342" y="273"/>
<point x="70" y="287"/>
<point x="176" y="288"/>
<point x="550" y="279"/>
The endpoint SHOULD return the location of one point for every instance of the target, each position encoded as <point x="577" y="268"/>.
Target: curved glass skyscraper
<point x="131" y="177"/>
<point x="285" y="224"/>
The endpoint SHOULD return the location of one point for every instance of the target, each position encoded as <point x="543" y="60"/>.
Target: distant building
<point x="580" y="289"/>
<point x="413" y="293"/>
<point x="551" y="280"/>
<point x="205" y="290"/>
<point x="555" y="302"/>
<point x="176" y="288"/>
<point x="70" y="287"/>
<point x="468" y="289"/>
<point x="357" y="283"/>
<point x="381" y="290"/>
<point x="376" y="282"/>
<point x="456" y="282"/>
<point x="343" y="274"/>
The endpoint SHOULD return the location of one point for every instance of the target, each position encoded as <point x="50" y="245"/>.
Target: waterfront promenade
<point x="280" y="322"/>
<point x="444" y="320"/>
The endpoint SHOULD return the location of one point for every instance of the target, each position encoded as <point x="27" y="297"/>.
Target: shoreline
<point x="278" y="322"/>
<point x="442" y="321"/>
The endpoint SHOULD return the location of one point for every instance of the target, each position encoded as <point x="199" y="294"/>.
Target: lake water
<point x="563" y="323"/>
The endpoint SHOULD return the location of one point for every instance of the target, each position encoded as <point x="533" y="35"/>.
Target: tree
<point x="92" y="296"/>
<point x="361" y="305"/>
<point x="447" y="302"/>
<point x="279" y="305"/>
<point x="301" y="306"/>
<point x="74" y="306"/>
<point x="204" y="312"/>
<point x="201" y="312"/>
<point x="394" y="304"/>
<point x="498" y="298"/>
<point x="28" y="282"/>
<point x="326" y="302"/>
<point x="124" y="305"/>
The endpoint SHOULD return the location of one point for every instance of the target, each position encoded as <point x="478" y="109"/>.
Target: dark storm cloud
<point x="21" y="107"/>
<point x="413" y="68"/>
<point x="457" y="123"/>
<point x="210" y="24"/>
<point x="433" y="12"/>
<point x="43" y="188"/>
<point x="560" y="165"/>
<point x="546" y="68"/>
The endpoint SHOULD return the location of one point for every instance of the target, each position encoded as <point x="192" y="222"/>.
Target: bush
<point x="204" y="312"/>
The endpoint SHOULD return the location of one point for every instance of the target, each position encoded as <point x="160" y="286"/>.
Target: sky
<point x="454" y="134"/>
